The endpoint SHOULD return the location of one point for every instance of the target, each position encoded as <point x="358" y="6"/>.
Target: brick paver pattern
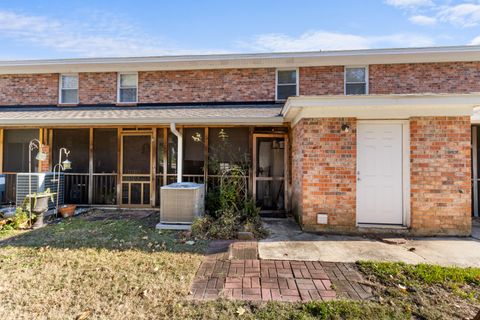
<point x="224" y="275"/>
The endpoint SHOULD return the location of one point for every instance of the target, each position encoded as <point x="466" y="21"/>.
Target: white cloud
<point x="409" y="3"/>
<point x="475" y="41"/>
<point x="102" y="34"/>
<point x="324" y="40"/>
<point x="423" y="20"/>
<point x="462" y="15"/>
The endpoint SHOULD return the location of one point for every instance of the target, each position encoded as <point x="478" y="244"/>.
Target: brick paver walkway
<point x="232" y="270"/>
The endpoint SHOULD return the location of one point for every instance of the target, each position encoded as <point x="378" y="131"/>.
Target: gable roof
<point x="256" y="60"/>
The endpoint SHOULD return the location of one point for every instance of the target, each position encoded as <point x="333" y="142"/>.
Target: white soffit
<point x="380" y="106"/>
<point x="259" y="60"/>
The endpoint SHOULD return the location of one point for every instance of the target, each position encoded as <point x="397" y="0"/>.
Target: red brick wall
<point x="454" y="77"/>
<point x="321" y="80"/>
<point x="207" y="85"/>
<point x="97" y="87"/>
<point x="323" y="173"/>
<point x="440" y="175"/>
<point x="29" y="89"/>
<point x="242" y="84"/>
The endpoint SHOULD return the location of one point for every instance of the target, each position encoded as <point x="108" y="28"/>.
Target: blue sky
<point x="37" y="29"/>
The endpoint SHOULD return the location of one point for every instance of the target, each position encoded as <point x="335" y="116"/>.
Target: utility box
<point x="181" y="203"/>
<point x="40" y="182"/>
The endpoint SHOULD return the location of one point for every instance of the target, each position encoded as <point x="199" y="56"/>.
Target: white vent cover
<point x="181" y="202"/>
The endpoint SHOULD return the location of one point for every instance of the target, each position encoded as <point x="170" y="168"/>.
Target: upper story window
<point x="69" y="89"/>
<point x="127" y="87"/>
<point x="356" y="80"/>
<point x="287" y="84"/>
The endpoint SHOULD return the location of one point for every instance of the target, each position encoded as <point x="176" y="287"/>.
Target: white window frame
<point x="297" y="93"/>
<point x="119" y="74"/>
<point x="60" y="88"/>
<point x="345" y="79"/>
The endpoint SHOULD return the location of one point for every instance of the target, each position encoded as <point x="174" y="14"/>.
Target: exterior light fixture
<point x="60" y="166"/>
<point x="345" y="128"/>
<point x="67" y="164"/>
<point x="41" y="156"/>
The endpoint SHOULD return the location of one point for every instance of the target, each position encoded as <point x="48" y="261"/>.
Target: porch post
<point x="179" y="151"/>
<point x="90" y="167"/>
<point x="475" y="170"/>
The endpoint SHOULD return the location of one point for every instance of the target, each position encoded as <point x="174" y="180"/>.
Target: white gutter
<point x="179" y="151"/>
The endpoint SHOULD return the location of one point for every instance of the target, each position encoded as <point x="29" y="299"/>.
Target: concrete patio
<point x="288" y="242"/>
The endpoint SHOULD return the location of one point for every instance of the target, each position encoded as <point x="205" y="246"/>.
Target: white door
<point x="379" y="173"/>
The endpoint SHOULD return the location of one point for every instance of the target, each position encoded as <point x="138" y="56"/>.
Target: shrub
<point x="19" y="221"/>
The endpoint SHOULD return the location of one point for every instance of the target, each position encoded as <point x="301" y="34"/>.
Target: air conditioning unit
<point x="181" y="203"/>
<point x="41" y="181"/>
<point x="3" y="188"/>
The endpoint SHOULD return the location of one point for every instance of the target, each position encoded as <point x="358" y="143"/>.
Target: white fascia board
<point x="143" y="121"/>
<point x="380" y="107"/>
<point x="262" y="60"/>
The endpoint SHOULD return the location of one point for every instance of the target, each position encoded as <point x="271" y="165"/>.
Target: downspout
<point x="179" y="151"/>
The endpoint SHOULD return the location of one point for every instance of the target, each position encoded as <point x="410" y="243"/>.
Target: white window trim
<point x="118" y="87"/>
<point x="345" y="78"/>
<point x="60" y="88"/>
<point x="297" y="83"/>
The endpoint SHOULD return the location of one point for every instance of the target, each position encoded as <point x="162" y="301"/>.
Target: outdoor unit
<point x="41" y="181"/>
<point x="181" y="202"/>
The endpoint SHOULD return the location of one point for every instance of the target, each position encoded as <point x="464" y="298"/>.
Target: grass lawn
<point x="117" y="268"/>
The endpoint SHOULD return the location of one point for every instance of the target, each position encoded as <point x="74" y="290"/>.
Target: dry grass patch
<point x="110" y="268"/>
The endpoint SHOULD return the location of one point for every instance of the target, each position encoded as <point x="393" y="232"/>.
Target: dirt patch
<point x="97" y="215"/>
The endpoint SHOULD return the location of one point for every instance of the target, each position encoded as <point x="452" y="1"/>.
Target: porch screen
<point x="105" y="156"/>
<point x="76" y="179"/>
<point x="228" y="147"/>
<point x="105" y="146"/>
<point x="193" y="160"/>
<point x="75" y="140"/>
<point x="15" y="152"/>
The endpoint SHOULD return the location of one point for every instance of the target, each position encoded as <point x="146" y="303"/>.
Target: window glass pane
<point x="105" y="147"/>
<point x="355" y="88"/>
<point x="286" y="91"/>
<point x="355" y="74"/>
<point x="128" y="95"/>
<point x="128" y="80"/>
<point x="69" y="82"/>
<point x="76" y="141"/>
<point x="15" y="152"/>
<point x="287" y="76"/>
<point x="228" y="147"/>
<point x="193" y="160"/>
<point x="69" y="96"/>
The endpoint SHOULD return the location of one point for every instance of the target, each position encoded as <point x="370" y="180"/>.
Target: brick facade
<point x="321" y="80"/>
<point x="453" y="77"/>
<point x="324" y="180"/>
<point x="248" y="85"/>
<point x="29" y="89"/>
<point x="324" y="173"/>
<point x="97" y="87"/>
<point x="440" y="175"/>
<point x="207" y="85"/>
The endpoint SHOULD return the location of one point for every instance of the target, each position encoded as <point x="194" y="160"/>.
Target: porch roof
<point x="243" y="114"/>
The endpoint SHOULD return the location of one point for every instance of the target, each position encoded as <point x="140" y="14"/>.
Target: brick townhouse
<point x="348" y="141"/>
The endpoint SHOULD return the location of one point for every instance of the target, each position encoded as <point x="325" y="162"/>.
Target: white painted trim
<point x="367" y="79"/>
<point x="475" y="170"/>
<point x="60" y="89"/>
<point x="259" y="60"/>
<point x="405" y="168"/>
<point x="379" y="106"/>
<point x="297" y="77"/>
<point x="118" y="87"/>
